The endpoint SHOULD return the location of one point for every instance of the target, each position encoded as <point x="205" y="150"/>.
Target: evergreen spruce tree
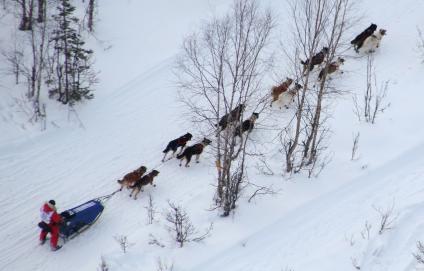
<point x="72" y="77"/>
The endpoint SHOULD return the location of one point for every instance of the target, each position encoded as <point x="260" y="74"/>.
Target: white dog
<point x="288" y="96"/>
<point x="373" y="41"/>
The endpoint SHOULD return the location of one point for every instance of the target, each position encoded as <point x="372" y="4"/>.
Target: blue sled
<point x="80" y="218"/>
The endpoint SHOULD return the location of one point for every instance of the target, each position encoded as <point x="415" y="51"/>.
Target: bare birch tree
<point x="90" y="11"/>
<point x="14" y="56"/>
<point x="220" y="72"/>
<point x="316" y="24"/>
<point x="27" y="11"/>
<point x="39" y="44"/>
<point x="41" y="10"/>
<point x="309" y="21"/>
<point x="27" y="57"/>
<point x="338" y="12"/>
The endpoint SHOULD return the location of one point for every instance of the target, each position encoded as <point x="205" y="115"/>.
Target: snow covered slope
<point x="325" y="233"/>
<point x="308" y="225"/>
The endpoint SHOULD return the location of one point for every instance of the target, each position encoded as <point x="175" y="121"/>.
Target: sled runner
<point x="80" y="218"/>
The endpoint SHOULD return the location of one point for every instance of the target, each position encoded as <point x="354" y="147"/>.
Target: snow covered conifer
<point x="72" y="75"/>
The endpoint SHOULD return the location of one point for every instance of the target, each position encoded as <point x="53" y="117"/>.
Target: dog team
<point x="138" y="178"/>
<point x="366" y="42"/>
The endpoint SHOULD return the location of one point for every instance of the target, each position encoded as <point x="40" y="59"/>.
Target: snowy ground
<point x="309" y="225"/>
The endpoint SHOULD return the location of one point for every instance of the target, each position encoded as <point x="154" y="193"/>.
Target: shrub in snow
<point x="181" y="227"/>
<point x="123" y="242"/>
<point x="387" y="218"/>
<point x="164" y="266"/>
<point x="419" y="256"/>
<point x="151" y="212"/>
<point x="103" y="265"/>
<point x="421" y="44"/>
<point x="373" y="98"/>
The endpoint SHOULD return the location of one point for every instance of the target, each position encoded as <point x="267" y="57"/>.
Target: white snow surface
<point x="310" y="224"/>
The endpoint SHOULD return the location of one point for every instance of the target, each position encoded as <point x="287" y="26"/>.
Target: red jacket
<point x="49" y="215"/>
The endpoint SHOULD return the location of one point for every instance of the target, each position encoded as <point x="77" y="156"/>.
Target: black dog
<point x="175" y="144"/>
<point x="358" y="41"/>
<point x="247" y="125"/>
<point x="316" y="60"/>
<point x="145" y="180"/>
<point x="234" y="115"/>
<point x="196" y="149"/>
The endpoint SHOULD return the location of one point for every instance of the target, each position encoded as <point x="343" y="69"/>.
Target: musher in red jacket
<point x="50" y="223"/>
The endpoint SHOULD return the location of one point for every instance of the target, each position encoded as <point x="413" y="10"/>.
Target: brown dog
<point x="131" y="177"/>
<point x="196" y="149"/>
<point x="145" y="180"/>
<point x="278" y="90"/>
<point x="332" y="67"/>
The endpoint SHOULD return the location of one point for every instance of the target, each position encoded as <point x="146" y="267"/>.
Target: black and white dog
<point x="315" y="60"/>
<point x="373" y="42"/>
<point x="247" y="125"/>
<point x="175" y="144"/>
<point x="358" y="41"/>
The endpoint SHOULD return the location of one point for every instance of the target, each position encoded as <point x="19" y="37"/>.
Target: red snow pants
<point x="54" y="235"/>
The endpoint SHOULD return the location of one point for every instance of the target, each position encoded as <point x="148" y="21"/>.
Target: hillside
<point x="309" y="224"/>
